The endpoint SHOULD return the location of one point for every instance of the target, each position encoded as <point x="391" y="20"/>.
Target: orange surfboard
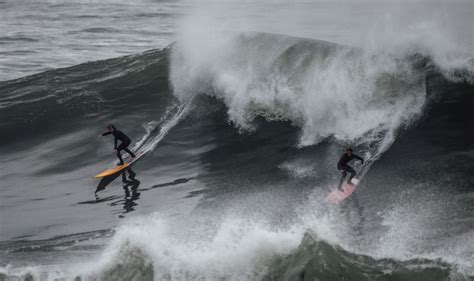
<point x="119" y="168"/>
<point x="112" y="171"/>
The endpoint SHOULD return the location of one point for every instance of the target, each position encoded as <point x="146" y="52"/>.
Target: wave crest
<point x="327" y="90"/>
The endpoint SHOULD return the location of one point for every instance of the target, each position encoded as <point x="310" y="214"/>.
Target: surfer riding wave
<point x="124" y="142"/>
<point x="344" y="168"/>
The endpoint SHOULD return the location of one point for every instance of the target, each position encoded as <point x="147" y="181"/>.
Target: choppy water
<point x="242" y="132"/>
<point x="41" y="35"/>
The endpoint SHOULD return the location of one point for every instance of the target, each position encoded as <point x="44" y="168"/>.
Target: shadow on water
<point x="175" y="182"/>
<point x="99" y="200"/>
<point x="130" y="188"/>
<point x="105" y="181"/>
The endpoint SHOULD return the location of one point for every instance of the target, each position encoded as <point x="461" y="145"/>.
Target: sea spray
<point x="325" y="89"/>
<point x="239" y="250"/>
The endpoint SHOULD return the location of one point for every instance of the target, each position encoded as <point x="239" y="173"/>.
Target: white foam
<point x="156" y="131"/>
<point x="238" y="251"/>
<point x="348" y="95"/>
<point x="411" y="231"/>
<point x="357" y="97"/>
<point x="299" y="169"/>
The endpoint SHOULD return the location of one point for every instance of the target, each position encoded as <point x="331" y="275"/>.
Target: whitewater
<point x="243" y="110"/>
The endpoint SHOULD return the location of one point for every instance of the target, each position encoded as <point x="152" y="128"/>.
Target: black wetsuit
<point x="344" y="168"/>
<point x="124" y="143"/>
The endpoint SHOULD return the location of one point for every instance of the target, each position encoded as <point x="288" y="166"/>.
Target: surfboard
<point x="112" y="171"/>
<point x="337" y="196"/>
<point x="119" y="168"/>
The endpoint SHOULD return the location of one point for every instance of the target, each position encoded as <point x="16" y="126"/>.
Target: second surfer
<point x="344" y="168"/>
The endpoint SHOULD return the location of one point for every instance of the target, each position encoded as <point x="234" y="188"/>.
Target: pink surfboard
<point x="337" y="196"/>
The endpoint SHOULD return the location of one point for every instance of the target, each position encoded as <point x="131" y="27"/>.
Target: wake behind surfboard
<point x="337" y="196"/>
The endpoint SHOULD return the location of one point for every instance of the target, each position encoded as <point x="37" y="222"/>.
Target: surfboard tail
<point x="337" y="196"/>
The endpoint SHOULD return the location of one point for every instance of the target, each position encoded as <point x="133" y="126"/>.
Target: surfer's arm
<point x="115" y="143"/>
<point x="360" y="158"/>
<point x="106" y="133"/>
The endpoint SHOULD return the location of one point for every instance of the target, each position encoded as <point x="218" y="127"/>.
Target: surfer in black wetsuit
<point x="124" y="142"/>
<point x="344" y="168"/>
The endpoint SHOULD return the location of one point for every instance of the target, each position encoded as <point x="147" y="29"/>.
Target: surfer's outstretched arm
<point x="106" y="133"/>
<point x="358" y="157"/>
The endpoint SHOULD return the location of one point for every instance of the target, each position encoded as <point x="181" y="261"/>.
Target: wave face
<point x="242" y="135"/>
<point x="37" y="103"/>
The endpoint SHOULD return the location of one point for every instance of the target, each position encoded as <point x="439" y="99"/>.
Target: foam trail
<point x="171" y="118"/>
<point x="180" y="112"/>
<point x="151" y="126"/>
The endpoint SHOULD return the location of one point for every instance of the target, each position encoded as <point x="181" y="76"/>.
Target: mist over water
<point x="242" y="120"/>
<point x="369" y="24"/>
